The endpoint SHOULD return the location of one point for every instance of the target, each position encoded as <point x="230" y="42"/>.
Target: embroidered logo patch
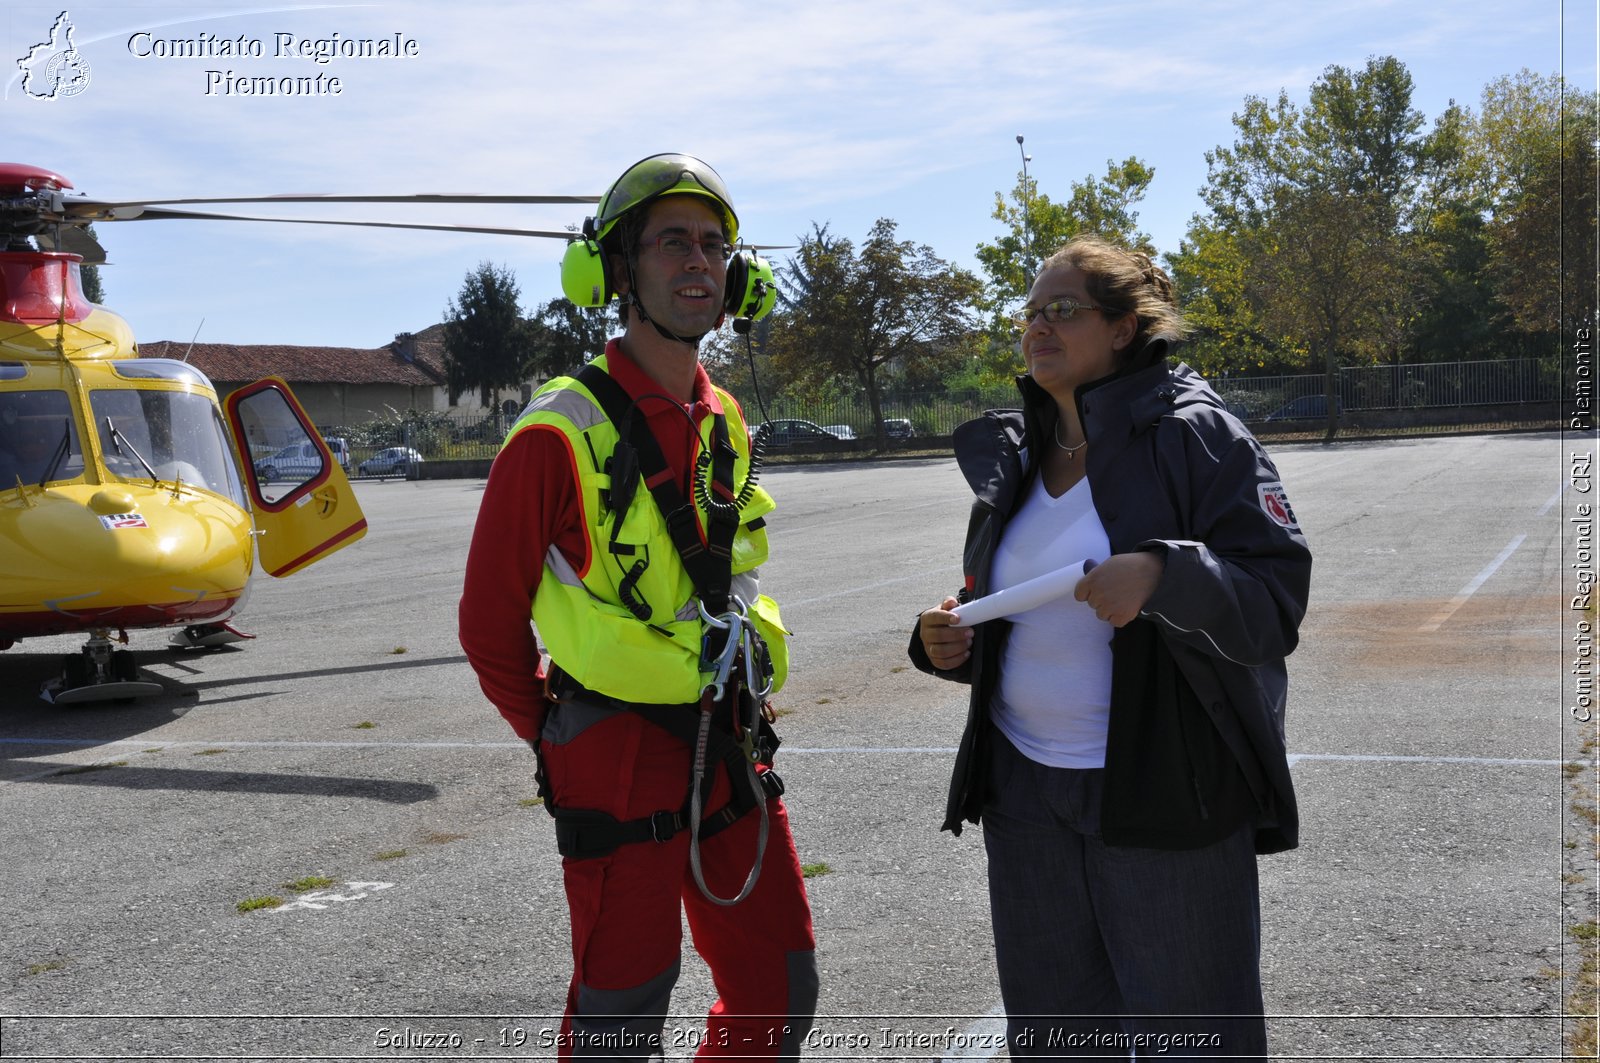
<point x="1275" y="504"/>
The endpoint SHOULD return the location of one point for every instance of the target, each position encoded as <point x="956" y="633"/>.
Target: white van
<point x="341" y="451"/>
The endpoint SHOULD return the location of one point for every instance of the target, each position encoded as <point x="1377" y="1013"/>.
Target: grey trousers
<point x="1114" y="951"/>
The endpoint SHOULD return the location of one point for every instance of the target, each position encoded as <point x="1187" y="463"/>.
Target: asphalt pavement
<point x="348" y="751"/>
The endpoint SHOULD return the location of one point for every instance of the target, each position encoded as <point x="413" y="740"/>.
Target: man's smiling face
<point x="683" y="294"/>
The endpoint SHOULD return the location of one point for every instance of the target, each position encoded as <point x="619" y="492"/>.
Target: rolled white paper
<point x="1029" y="594"/>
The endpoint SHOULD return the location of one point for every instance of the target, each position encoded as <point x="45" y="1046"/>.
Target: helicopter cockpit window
<point x="38" y="438"/>
<point x="282" y="454"/>
<point x="12" y="370"/>
<point x="163" y="437"/>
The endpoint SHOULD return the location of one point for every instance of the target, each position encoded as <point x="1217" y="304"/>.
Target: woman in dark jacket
<point x="1124" y="746"/>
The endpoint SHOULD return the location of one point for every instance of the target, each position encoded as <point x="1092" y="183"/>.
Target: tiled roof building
<point x="337" y="385"/>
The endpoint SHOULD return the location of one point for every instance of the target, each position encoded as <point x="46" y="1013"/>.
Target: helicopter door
<point x="305" y="508"/>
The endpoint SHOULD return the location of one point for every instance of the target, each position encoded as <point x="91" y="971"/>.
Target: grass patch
<point x="309" y="883"/>
<point x="390" y="854"/>
<point x="210" y="752"/>
<point x="46" y="967"/>
<point x="364" y="725"/>
<point x="251" y="904"/>
<point x="531" y="802"/>
<point x="440" y="837"/>
<point x="813" y="870"/>
<point x="824" y="701"/>
<point x="398" y="650"/>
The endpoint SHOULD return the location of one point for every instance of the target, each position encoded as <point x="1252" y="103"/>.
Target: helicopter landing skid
<point x="206" y="636"/>
<point x="98" y="673"/>
<point x="55" y="694"/>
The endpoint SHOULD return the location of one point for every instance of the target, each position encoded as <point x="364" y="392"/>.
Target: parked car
<point x="396" y="461"/>
<point x="298" y="462"/>
<point x="340" y="449"/>
<point x="1305" y="408"/>
<point x="898" y="428"/>
<point x="840" y="431"/>
<point x="788" y="433"/>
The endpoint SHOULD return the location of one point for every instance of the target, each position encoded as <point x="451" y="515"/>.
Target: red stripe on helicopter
<point x="315" y="552"/>
<point x="42" y="623"/>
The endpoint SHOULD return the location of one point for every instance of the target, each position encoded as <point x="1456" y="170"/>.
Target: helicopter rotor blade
<point x="164" y="214"/>
<point x="112" y="210"/>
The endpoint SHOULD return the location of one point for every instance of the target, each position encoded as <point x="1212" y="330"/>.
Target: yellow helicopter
<point x="131" y="496"/>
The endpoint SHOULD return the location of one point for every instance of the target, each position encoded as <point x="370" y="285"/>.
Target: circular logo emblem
<point x="66" y="74"/>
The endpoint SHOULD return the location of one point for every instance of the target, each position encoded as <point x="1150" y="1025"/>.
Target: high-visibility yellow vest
<point x="580" y="616"/>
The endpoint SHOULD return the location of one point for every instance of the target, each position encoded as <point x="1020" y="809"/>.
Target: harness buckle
<point x="663" y="825"/>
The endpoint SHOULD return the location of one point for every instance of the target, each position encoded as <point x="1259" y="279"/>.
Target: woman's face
<point x="1069" y="353"/>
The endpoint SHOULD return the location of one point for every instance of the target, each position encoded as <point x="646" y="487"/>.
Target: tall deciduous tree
<point x="562" y="336"/>
<point x="1036" y="226"/>
<point x="486" y="340"/>
<point x="1307" y="234"/>
<point x="854" y="315"/>
<point x="1535" y="144"/>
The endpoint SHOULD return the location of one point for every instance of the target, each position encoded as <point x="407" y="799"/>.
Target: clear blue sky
<point x="823" y="111"/>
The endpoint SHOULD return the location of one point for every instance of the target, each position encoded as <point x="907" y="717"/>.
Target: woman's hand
<point x="947" y="647"/>
<point x="1117" y="588"/>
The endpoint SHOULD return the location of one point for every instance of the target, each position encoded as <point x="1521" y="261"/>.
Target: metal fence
<point x="1512" y="387"/>
<point x="1432" y="385"/>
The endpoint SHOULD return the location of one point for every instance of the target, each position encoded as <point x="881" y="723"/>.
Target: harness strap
<point x="708" y="563"/>
<point x="586" y="833"/>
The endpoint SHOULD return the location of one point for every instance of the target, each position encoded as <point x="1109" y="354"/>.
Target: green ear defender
<point x="584" y="278"/>
<point x="752" y="289"/>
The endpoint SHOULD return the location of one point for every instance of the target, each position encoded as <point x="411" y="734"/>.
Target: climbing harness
<point x="733" y="724"/>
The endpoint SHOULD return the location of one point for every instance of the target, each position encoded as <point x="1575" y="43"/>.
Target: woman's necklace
<point x="1072" y="452"/>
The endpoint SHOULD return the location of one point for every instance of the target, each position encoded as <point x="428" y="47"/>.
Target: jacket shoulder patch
<point x="1275" y="504"/>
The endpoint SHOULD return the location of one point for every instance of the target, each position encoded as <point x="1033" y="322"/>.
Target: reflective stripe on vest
<point x="581" y="619"/>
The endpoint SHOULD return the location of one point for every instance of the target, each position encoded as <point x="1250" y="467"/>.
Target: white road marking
<point x="1548" y="506"/>
<point x="847" y="592"/>
<point x="1472" y="587"/>
<point x="223" y="743"/>
<point x="318" y="900"/>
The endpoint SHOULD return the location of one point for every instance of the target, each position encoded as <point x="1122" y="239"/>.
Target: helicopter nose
<point x="116" y="548"/>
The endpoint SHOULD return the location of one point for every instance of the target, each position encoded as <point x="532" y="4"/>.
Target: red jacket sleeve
<point x="530" y="503"/>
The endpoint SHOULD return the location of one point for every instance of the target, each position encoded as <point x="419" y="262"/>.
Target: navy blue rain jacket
<point x="1196" y="744"/>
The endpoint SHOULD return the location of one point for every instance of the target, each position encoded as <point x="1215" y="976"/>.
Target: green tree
<point x="1306" y="241"/>
<point x="855" y="316"/>
<point x="1036" y="227"/>
<point x="89" y="275"/>
<point x="562" y="336"/>
<point x="1457" y="316"/>
<point x="1535" y="146"/>
<point x="486" y="340"/>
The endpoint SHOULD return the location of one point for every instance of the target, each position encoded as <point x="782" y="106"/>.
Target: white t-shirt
<point x="1054" y="696"/>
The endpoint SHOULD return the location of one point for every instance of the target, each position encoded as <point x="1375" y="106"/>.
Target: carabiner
<point x="733" y="623"/>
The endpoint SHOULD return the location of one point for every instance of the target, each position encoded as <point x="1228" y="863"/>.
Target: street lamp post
<point x="1027" y="220"/>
